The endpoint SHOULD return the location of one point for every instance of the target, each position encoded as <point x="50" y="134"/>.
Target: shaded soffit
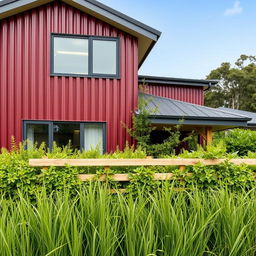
<point x="159" y="80"/>
<point x="169" y="111"/>
<point x="147" y="36"/>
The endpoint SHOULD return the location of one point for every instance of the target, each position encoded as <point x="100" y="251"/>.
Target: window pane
<point x="93" y="136"/>
<point x="70" y="55"/>
<point x="104" y="57"/>
<point x="63" y="134"/>
<point x="37" y="133"/>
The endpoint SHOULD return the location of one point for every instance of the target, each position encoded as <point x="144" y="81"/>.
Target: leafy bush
<point x="94" y="222"/>
<point x="210" y="152"/>
<point x="223" y="175"/>
<point x="16" y="175"/>
<point x="226" y="174"/>
<point x="240" y="141"/>
<point x="142" y="178"/>
<point x="213" y="151"/>
<point x="142" y="129"/>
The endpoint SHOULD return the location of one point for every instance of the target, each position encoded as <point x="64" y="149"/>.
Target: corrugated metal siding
<point x="29" y="93"/>
<point x="183" y="93"/>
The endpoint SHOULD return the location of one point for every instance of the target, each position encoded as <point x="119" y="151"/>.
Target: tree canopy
<point x="237" y="86"/>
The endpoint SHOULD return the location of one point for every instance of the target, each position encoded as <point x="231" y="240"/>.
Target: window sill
<point x="86" y="76"/>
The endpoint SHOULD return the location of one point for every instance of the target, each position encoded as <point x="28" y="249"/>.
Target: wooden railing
<point x="107" y="163"/>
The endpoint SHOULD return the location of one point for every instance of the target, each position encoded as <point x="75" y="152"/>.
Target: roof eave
<point x="12" y="7"/>
<point x="116" y="16"/>
<point x="147" y="53"/>
<point x="252" y="124"/>
<point x="177" y="81"/>
<point x="202" y="122"/>
<point x="202" y="118"/>
<point x="147" y="36"/>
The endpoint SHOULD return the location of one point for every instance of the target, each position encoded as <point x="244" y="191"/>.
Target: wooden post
<point x="45" y="168"/>
<point x="106" y="169"/>
<point x="182" y="168"/>
<point x="202" y="136"/>
<point x="208" y="135"/>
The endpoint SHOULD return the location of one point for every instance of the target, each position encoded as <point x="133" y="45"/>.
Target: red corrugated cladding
<point x="28" y="92"/>
<point x="192" y="94"/>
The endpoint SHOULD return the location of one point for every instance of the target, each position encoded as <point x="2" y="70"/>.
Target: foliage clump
<point x="16" y="174"/>
<point x="240" y="141"/>
<point x="224" y="175"/>
<point x="142" y="179"/>
<point x="143" y="128"/>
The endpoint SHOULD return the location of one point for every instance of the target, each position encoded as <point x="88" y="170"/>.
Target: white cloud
<point x="236" y="9"/>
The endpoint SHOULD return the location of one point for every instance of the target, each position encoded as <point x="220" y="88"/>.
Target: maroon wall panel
<point x="192" y="94"/>
<point x="28" y="92"/>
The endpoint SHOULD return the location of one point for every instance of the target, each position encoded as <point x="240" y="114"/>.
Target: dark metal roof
<point x="165" y="110"/>
<point x="4" y="2"/>
<point x="147" y="35"/>
<point x="251" y="115"/>
<point x="176" y="81"/>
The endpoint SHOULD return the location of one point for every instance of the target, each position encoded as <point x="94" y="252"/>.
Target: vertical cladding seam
<point x="28" y="92"/>
<point x="182" y="93"/>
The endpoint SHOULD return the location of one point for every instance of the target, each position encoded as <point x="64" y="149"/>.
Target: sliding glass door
<point x="93" y="137"/>
<point x="79" y="135"/>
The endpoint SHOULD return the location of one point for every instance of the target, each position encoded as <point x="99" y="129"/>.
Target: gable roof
<point x="177" y="81"/>
<point x="147" y="36"/>
<point x="169" y="111"/>
<point x="251" y="115"/>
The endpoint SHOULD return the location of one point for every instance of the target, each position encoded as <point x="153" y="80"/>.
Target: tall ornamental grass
<point x="96" y="222"/>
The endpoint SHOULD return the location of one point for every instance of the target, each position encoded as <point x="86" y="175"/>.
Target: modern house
<point x="69" y="72"/>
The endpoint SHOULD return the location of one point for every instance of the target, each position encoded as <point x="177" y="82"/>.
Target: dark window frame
<point x="51" y="132"/>
<point x="90" y="55"/>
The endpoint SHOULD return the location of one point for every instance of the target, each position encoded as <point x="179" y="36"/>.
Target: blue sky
<point x="197" y="35"/>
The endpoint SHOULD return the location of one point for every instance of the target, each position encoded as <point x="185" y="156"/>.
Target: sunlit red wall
<point x="28" y="92"/>
<point x="191" y="94"/>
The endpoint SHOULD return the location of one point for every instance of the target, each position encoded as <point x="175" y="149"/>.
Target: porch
<point x="191" y="117"/>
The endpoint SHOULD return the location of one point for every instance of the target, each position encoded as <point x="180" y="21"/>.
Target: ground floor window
<point x="65" y="133"/>
<point x="81" y="135"/>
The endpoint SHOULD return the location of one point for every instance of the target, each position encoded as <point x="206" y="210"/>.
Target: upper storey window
<point x="75" y="55"/>
<point x="104" y="59"/>
<point x="70" y="56"/>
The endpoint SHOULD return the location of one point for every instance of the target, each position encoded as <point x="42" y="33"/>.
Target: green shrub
<point x="142" y="179"/>
<point x="240" y="141"/>
<point x="16" y="175"/>
<point x="210" y="152"/>
<point x="223" y="175"/>
<point x="142" y="128"/>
